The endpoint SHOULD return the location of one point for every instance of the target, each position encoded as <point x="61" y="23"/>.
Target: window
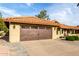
<point x="41" y="27"/>
<point x="34" y="27"/>
<point x="25" y="26"/>
<point x="48" y="27"/>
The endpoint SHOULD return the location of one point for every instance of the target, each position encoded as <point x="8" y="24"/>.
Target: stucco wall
<point x="55" y="35"/>
<point x="14" y="33"/>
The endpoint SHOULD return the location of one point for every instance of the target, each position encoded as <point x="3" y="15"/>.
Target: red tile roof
<point x="68" y="27"/>
<point x="35" y="20"/>
<point x="30" y="20"/>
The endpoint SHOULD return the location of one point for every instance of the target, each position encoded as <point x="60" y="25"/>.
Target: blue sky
<point x="65" y="13"/>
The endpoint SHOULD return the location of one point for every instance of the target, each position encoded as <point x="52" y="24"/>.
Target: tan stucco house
<point x="33" y="28"/>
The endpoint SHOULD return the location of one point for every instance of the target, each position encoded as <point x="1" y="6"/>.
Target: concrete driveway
<point x="51" y="48"/>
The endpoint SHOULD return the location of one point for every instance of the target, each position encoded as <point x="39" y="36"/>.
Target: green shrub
<point x="70" y="38"/>
<point x="76" y="37"/>
<point x="1" y="34"/>
<point x="5" y="29"/>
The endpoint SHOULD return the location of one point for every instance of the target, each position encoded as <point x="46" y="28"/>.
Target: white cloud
<point x="29" y="4"/>
<point x="68" y="10"/>
<point x="6" y="12"/>
<point x="62" y="15"/>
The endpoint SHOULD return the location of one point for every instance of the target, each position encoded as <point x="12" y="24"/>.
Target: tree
<point x="0" y="15"/>
<point x="43" y="15"/>
<point x="77" y="4"/>
<point x="3" y="27"/>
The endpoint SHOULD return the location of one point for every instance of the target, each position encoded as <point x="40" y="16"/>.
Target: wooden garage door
<point x="35" y="33"/>
<point x="44" y="33"/>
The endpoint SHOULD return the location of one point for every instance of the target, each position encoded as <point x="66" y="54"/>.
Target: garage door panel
<point x="35" y="34"/>
<point x="44" y="34"/>
<point x="28" y="34"/>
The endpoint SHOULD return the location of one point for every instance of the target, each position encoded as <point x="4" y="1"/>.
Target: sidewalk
<point x="4" y="51"/>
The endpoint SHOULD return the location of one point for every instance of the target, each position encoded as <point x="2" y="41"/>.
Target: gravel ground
<point x="15" y="49"/>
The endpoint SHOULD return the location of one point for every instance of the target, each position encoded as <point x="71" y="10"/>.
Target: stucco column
<point x="14" y="33"/>
<point x="70" y="31"/>
<point x="54" y="34"/>
<point x="61" y="32"/>
<point x="74" y="31"/>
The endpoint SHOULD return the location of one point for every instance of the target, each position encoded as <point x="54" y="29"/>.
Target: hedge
<point x="72" y="38"/>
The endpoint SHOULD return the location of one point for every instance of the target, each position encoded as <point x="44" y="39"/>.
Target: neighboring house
<point x="33" y="28"/>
